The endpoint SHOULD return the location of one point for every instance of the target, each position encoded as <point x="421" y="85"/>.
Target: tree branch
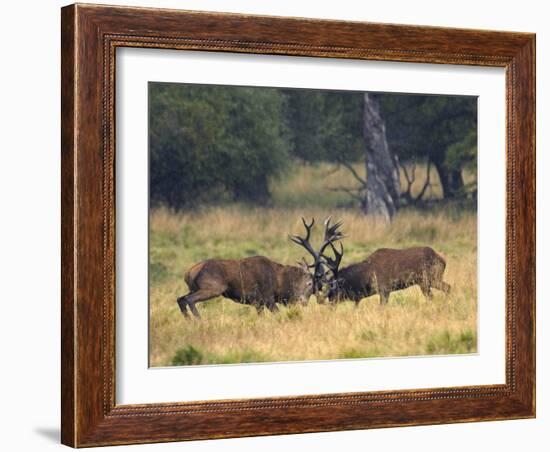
<point x="353" y="192"/>
<point x="362" y="181"/>
<point x="333" y="170"/>
<point x="426" y="184"/>
<point x="410" y="178"/>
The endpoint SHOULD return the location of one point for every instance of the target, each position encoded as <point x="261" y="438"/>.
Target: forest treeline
<point x="212" y="143"/>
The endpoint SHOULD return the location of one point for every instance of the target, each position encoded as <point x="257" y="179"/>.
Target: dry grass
<point x="230" y="332"/>
<point x="314" y="183"/>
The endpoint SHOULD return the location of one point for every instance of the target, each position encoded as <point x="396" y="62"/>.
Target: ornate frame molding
<point x="90" y="37"/>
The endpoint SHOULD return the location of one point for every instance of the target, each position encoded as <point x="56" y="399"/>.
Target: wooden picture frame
<point x="90" y="36"/>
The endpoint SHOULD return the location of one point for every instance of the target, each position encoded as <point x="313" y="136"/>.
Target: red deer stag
<point x="385" y="271"/>
<point x="256" y="281"/>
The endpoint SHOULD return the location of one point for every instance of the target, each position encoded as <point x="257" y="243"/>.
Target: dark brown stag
<point x="385" y="271"/>
<point x="256" y="281"/>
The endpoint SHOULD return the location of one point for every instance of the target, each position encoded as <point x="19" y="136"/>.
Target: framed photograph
<point x="280" y="225"/>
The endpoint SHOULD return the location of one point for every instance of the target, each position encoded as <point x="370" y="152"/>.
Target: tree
<point x="208" y="142"/>
<point x="378" y="193"/>
<point x="325" y="125"/>
<point x="437" y="129"/>
<point x="382" y="185"/>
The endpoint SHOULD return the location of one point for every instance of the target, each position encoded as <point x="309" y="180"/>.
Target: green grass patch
<point x="420" y="234"/>
<point x="447" y="343"/>
<point x="187" y="356"/>
<point x="294" y="313"/>
<point x="192" y="356"/>
<point x="357" y="353"/>
<point x="238" y="357"/>
<point x="368" y="335"/>
<point x="157" y="272"/>
<point x="352" y="353"/>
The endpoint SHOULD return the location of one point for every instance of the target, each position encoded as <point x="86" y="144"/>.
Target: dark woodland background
<point x="212" y="144"/>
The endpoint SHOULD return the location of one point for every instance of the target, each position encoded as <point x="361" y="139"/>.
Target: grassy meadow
<point x="233" y="333"/>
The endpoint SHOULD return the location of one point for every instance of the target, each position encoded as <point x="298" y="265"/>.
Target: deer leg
<point x="194" y="297"/>
<point x="384" y="297"/>
<point x="427" y="291"/>
<point x="443" y="286"/>
<point x="272" y="306"/>
<point x="183" y="306"/>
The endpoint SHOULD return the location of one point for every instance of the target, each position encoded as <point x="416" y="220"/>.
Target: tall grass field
<point x="409" y="325"/>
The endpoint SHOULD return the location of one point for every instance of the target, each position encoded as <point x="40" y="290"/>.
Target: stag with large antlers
<point x="384" y="271"/>
<point x="256" y="281"/>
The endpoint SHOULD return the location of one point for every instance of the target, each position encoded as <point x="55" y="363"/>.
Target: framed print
<point x="281" y="225"/>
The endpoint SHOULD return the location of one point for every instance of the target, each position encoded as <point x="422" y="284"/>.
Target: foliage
<point x="462" y="154"/>
<point x="426" y="126"/>
<point x="216" y="144"/>
<point x="440" y="129"/>
<point x="325" y="125"/>
<point x="208" y="142"/>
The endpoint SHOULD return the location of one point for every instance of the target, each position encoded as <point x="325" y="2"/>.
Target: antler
<point x="304" y="241"/>
<point x="331" y="235"/>
<point x="334" y="264"/>
<point x="304" y="263"/>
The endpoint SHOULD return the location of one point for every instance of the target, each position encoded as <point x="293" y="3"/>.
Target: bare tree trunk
<point x="382" y="185"/>
<point x="451" y="180"/>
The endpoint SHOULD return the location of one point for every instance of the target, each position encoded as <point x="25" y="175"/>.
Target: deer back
<point x="404" y="267"/>
<point x="249" y="278"/>
<point x="390" y="269"/>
